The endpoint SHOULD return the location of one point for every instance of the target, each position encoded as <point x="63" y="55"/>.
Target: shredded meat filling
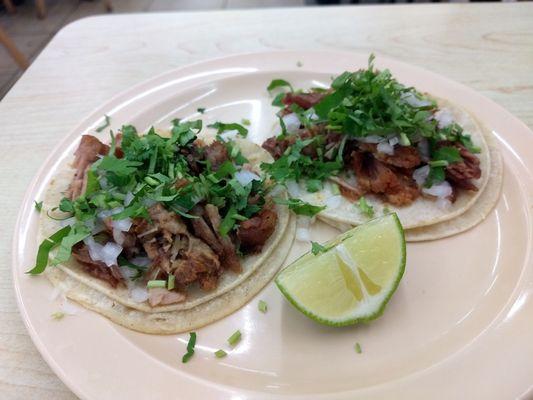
<point x="98" y="269"/>
<point x="216" y="154"/>
<point x="254" y="232"/>
<point x="304" y="100"/>
<point x="87" y="153"/>
<point x="461" y="173"/>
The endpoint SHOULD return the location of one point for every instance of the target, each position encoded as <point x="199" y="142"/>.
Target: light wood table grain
<point x="486" y="46"/>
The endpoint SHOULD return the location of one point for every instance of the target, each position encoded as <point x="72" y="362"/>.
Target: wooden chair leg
<point x="41" y="8"/>
<point x="10" y="7"/>
<point x="12" y="49"/>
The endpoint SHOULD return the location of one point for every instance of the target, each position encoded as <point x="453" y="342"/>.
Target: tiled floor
<point x="31" y="34"/>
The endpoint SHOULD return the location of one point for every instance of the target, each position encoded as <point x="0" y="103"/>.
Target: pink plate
<point x="458" y="326"/>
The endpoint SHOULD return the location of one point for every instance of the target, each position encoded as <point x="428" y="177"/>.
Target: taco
<point x="167" y="227"/>
<point x="369" y="145"/>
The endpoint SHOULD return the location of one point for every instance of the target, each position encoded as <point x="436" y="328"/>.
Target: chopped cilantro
<point x="278" y="100"/>
<point x="57" y="315"/>
<point x="317" y="248"/>
<point x="223" y="127"/>
<point x="300" y="207"/>
<point x="234" y="338"/>
<point x="38" y="205"/>
<point x="220" y="353"/>
<point x="190" y="348"/>
<point x="201" y="110"/>
<point x="107" y="122"/>
<point x="447" y="153"/>
<point x="436" y="175"/>
<point x="358" y="349"/>
<point x="365" y="208"/>
<point x="262" y="306"/>
<point x="44" y="250"/>
<point x="277" y="83"/>
<point x="246" y="122"/>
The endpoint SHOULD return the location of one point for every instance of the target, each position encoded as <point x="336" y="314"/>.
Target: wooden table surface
<point x="488" y="47"/>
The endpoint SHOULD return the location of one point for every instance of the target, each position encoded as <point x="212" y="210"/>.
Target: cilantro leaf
<point x="119" y="166"/>
<point x="466" y="141"/>
<point x="76" y="234"/>
<point x="277" y="83"/>
<point x="201" y="110"/>
<point x="317" y="248"/>
<point x="45" y="247"/>
<point x="107" y="122"/>
<point x="38" y="205"/>
<point x="365" y="208"/>
<point x="300" y="207"/>
<point x="223" y="127"/>
<point x="447" y="153"/>
<point x="436" y="175"/>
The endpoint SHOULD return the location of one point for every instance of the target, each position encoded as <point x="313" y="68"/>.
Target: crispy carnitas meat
<point x="191" y="249"/>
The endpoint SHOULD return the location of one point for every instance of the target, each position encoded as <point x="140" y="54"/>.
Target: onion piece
<point x="441" y="190"/>
<point x="385" y="148"/>
<point x="303" y="235"/>
<point x="411" y="99"/>
<point x="139" y="294"/>
<point x="444" y="117"/>
<point x="107" y="254"/>
<point x="420" y="175"/>
<point x="118" y="236"/>
<point x="229" y="135"/>
<point x="370" y="139"/>
<point x="292" y="123"/>
<point x="334" y="201"/>
<point x="107" y="213"/>
<point x="244" y="177"/>
<point x="128" y="198"/>
<point x="393" y="141"/>
<point x="293" y="188"/>
<point x="123" y="225"/>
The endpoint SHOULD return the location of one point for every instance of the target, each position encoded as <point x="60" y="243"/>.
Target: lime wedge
<point x="353" y="279"/>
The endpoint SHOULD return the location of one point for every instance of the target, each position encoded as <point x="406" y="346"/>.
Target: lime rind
<point x="366" y="312"/>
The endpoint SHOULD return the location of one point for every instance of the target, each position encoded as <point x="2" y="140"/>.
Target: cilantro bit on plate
<point x="262" y="306"/>
<point x="300" y="207"/>
<point x="234" y="338"/>
<point x="358" y="348"/>
<point x="57" y="315"/>
<point x="38" y="205"/>
<point x="190" y="348"/>
<point x="107" y="122"/>
<point x="224" y="127"/>
<point x="220" y="353"/>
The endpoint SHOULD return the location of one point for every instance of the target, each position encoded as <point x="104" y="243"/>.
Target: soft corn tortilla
<point x="171" y="322"/>
<point x="425" y="211"/>
<point x="195" y="296"/>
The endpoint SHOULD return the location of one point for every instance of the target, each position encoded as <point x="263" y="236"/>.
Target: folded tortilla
<point x="426" y="218"/>
<point x="200" y="307"/>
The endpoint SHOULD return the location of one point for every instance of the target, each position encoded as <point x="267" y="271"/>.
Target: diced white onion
<point x="67" y="222"/>
<point x="148" y="202"/>
<point x="334" y="201"/>
<point x="292" y="123"/>
<point x="107" y="254"/>
<point x="128" y="272"/>
<point x="123" y="225"/>
<point x="229" y="135"/>
<point x="139" y="294"/>
<point x="441" y="190"/>
<point x="420" y="175"/>
<point x="141" y="261"/>
<point x="443" y="204"/>
<point x="293" y="188"/>
<point x="414" y="101"/>
<point x="393" y="141"/>
<point x="423" y="149"/>
<point x="128" y="199"/>
<point x="444" y="117"/>
<point x="118" y="236"/>
<point x="98" y="227"/>
<point x="370" y="139"/>
<point x="103" y="182"/>
<point x="107" y="213"/>
<point x="303" y="235"/>
<point x="244" y="177"/>
<point x="385" y="148"/>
